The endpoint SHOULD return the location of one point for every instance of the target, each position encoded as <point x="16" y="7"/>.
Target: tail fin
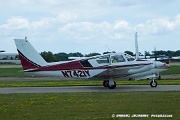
<point x="30" y="58"/>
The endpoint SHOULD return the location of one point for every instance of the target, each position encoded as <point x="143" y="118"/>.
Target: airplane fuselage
<point x="105" y="67"/>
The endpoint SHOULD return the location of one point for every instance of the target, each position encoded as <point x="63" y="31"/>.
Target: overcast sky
<point x="88" y="26"/>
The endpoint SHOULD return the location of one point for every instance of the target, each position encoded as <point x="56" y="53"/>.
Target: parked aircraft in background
<point x="107" y="67"/>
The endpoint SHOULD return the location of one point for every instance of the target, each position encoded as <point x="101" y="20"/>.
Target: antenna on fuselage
<point x="136" y="46"/>
<point x="108" y="48"/>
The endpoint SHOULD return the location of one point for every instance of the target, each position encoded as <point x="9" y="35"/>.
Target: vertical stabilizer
<point x="30" y="58"/>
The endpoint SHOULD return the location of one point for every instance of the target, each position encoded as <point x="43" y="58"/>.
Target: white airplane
<point x="107" y="67"/>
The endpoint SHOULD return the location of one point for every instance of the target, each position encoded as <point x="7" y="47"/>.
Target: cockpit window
<point x="129" y="57"/>
<point x="103" y="60"/>
<point x="117" y="58"/>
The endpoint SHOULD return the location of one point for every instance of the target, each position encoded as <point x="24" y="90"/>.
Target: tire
<point x="105" y="83"/>
<point x="153" y="84"/>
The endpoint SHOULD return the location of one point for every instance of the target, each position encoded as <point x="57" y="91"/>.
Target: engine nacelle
<point x="139" y="70"/>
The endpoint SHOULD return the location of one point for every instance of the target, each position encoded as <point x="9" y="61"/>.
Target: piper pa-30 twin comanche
<point x="107" y="67"/>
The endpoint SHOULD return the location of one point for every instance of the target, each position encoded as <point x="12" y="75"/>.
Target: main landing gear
<point x="111" y="84"/>
<point x="153" y="83"/>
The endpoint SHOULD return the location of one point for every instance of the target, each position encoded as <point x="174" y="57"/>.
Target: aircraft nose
<point x="161" y="65"/>
<point x="166" y="66"/>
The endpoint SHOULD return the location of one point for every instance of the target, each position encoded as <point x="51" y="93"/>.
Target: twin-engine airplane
<point x="107" y="67"/>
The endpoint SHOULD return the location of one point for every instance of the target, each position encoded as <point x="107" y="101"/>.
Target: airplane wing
<point x="106" y="74"/>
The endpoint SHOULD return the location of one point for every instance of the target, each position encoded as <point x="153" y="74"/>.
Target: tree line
<point x="62" y="56"/>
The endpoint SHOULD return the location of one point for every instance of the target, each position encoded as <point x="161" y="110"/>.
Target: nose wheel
<point x="109" y="83"/>
<point x="153" y="83"/>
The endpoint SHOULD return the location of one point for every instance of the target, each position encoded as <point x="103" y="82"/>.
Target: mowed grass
<point x="88" y="106"/>
<point x="79" y="83"/>
<point x="11" y="72"/>
<point x="172" y="70"/>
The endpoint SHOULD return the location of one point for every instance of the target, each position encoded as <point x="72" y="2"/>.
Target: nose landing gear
<point x="153" y="83"/>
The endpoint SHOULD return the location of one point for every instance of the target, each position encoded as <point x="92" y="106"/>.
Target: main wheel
<point x="105" y="83"/>
<point x="112" y="86"/>
<point x="153" y="83"/>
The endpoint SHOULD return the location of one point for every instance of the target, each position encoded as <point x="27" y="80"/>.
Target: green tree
<point x="76" y="54"/>
<point x="146" y="53"/>
<point x="48" y="56"/>
<point x="129" y="52"/>
<point x="106" y="52"/>
<point x="92" y="54"/>
<point x="61" y="56"/>
<point x="176" y="53"/>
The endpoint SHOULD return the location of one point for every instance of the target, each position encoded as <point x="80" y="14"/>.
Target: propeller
<point x="157" y="69"/>
<point x="155" y="64"/>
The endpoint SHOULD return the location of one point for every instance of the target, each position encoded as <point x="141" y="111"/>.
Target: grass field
<point x="172" y="70"/>
<point x="11" y="72"/>
<point x="88" y="106"/>
<point x="79" y="83"/>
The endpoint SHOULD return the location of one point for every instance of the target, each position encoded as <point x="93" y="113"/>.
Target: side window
<point x="117" y="58"/>
<point x="103" y="60"/>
